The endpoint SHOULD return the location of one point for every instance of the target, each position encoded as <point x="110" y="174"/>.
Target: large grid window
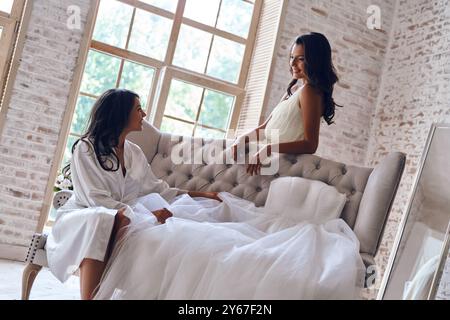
<point x="10" y="15"/>
<point x="187" y="59"/>
<point x="197" y="51"/>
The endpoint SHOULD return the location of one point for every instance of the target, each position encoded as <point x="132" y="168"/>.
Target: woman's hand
<point x="121" y="210"/>
<point x="234" y="148"/>
<point x="212" y="195"/>
<point x="256" y="161"/>
<point x="162" y="214"/>
<point x="209" y="195"/>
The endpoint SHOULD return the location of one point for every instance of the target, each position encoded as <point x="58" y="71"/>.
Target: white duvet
<point x="295" y="247"/>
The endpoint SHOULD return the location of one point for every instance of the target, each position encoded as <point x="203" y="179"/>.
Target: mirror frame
<point x="394" y="254"/>
<point x="440" y="269"/>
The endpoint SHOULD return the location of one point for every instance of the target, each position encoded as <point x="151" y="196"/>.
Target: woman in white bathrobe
<point x="109" y="175"/>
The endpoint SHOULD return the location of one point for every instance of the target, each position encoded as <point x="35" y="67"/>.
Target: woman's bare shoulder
<point x="310" y="93"/>
<point x="310" y="98"/>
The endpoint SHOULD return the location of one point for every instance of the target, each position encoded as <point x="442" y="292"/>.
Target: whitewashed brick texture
<point x="414" y="93"/>
<point x="34" y="116"/>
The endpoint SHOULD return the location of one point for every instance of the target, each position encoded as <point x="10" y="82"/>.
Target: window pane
<point x="113" y="23"/>
<point x="216" y="109"/>
<point x="208" y="133"/>
<point x="202" y="11"/>
<point x="6" y="5"/>
<point x="52" y="214"/>
<point x="150" y="34"/>
<point x="1" y="32"/>
<point x="235" y="17"/>
<point x="226" y="59"/>
<point x="169" y="5"/>
<point x="192" y="49"/>
<point x="81" y="115"/>
<point x="183" y="100"/>
<point x="137" y="78"/>
<point x="177" y="127"/>
<point x="100" y="73"/>
<point x="68" y="151"/>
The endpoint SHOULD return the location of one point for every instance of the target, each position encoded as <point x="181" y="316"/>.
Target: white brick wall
<point x="415" y="92"/>
<point x="34" y="116"/>
<point x="358" y="55"/>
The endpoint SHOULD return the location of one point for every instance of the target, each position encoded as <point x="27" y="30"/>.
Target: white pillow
<point x="301" y="199"/>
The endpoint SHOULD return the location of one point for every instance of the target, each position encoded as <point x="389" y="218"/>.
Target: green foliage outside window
<point x="113" y="22"/>
<point x="184" y="100"/>
<point x="100" y="73"/>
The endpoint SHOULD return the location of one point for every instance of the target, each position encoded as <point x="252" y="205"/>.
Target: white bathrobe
<point x="83" y="225"/>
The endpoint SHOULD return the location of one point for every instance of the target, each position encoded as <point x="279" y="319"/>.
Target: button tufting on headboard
<point x="370" y="191"/>
<point x="345" y="178"/>
<point x="306" y="165"/>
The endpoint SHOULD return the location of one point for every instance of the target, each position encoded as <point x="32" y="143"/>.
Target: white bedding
<point x="233" y="250"/>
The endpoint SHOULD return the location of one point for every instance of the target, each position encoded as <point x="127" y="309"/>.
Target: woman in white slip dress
<point x="112" y="182"/>
<point x="296" y="119"/>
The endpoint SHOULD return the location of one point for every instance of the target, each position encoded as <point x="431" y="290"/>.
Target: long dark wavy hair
<point x="319" y="69"/>
<point x="108" y="118"/>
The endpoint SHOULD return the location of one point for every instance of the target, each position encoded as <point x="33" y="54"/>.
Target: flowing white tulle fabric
<point x="234" y="250"/>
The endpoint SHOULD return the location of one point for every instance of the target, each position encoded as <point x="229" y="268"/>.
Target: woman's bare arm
<point x="205" y="194"/>
<point x="246" y="138"/>
<point x="312" y="110"/>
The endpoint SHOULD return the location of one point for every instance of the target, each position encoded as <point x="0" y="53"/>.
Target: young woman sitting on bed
<point x="109" y="175"/>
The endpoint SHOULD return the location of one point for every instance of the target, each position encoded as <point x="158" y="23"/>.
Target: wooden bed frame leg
<point x="29" y="274"/>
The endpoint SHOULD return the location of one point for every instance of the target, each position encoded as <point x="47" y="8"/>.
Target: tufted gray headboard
<point x="370" y="191"/>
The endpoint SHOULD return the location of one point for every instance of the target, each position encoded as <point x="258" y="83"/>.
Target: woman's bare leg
<point x="90" y="274"/>
<point x="120" y="222"/>
<point x="91" y="270"/>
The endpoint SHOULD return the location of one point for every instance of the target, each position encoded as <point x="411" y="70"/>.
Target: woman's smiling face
<point x="297" y="62"/>
<point x="137" y="115"/>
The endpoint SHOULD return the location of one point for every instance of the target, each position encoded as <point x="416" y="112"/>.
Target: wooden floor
<point x="46" y="286"/>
